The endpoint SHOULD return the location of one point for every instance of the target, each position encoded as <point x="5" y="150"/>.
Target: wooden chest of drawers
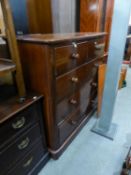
<point x="63" y="67"/>
<point x="23" y="148"/>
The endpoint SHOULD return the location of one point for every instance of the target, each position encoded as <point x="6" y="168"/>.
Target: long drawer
<point x="17" y="124"/>
<point x="70" y="82"/>
<point x="19" y="147"/>
<point x="80" y="99"/>
<point x="29" y="161"/>
<point x="76" y="54"/>
<point x="67" y="127"/>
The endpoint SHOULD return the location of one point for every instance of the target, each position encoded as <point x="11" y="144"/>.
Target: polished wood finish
<point x="65" y="82"/>
<point x="96" y="16"/>
<point x="39" y="16"/>
<point x="108" y="20"/>
<point x="32" y="16"/>
<point x="65" y="38"/>
<point x="22" y="125"/>
<point x="101" y="80"/>
<point x="88" y="15"/>
<point x="91" y="15"/>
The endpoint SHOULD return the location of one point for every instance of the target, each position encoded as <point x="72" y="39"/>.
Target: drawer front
<point x="67" y="84"/>
<point x="76" y="54"/>
<point x="66" y="106"/>
<point x="69" y="57"/>
<point x="25" y="165"/>
<point x="81" y="99"/>
<point x="17" y="124"/>
<point x="67" y="127"/>
<point x="19" y="147"/>
<point x="96" y="48"/>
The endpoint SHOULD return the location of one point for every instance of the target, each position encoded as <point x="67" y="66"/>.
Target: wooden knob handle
<point x="75" y="79"/>
<point x="75" y="55"/>
<point x="72" y="122"/>
<point x="72" y="101"/>
<point x="94" y="84"/>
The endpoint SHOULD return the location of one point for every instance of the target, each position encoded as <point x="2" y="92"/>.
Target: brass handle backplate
<point x="19" y="124"/>
<point x="24" y="143"/>
<point x="28" y="162"/>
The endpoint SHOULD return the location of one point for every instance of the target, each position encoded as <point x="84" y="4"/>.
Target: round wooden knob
<point x="72" y="101"/>
<point x="72" y="122"/>
<point x="94" y="84"/>
<point x="75" y="79"/>
<point x="75" y="55"/>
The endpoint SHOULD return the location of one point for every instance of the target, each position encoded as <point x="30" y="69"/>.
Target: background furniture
<point x="95" y="16"/>
<point x="23" y="148"/>
<point x="11" y="38"/>
<point x="32" y="16"/>
<point x="63" y="67"/>
<point x="101" y="81"/>
<point x="127" y="164"/>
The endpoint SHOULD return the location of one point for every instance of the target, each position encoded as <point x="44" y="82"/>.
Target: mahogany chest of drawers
<point x="23" y="147"/>
<point x="63" y="67"/>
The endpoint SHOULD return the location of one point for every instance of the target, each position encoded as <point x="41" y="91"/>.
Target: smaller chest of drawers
<point x="23" y="147"/>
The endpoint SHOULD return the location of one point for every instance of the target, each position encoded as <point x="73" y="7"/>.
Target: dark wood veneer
<point x="65" y="83"/>
<point x="23" y="147"/>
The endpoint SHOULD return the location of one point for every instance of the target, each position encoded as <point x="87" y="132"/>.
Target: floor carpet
<point x="91" y="154"/>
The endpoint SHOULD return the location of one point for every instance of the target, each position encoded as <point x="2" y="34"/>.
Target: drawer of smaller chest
<point x="67" y="127"/>
<point x="71" y="56"/>
<point x="18" y="123"/>
<point x="26" y="164"/>
<point x="17" y="149"/>
<point x="70" y="82"/>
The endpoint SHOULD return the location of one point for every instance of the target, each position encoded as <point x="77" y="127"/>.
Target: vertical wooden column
<point x="11" y="37"/>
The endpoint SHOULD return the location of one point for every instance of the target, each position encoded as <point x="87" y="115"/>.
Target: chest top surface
<point x="57" y="38"/>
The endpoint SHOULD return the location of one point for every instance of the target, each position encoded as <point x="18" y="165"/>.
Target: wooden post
<point x="11" y="37"/>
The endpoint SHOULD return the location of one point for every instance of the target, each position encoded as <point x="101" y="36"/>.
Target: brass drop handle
<point x="24" y="143"/>
<point x="19" y="124"/>
<point x="26" y="164"/>
<point x="74" y="79"/>
<point x="72" y="101"/>
<point x="75" y="56"/>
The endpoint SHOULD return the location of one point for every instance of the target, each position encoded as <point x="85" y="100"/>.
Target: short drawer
<point x="96" y="48"/>
<point x="29" y="162"/>
<point x="67" y="106"/>
<point x="19" y="147"/>
<point x="67" y="127"/>
<point x="71" y="56"/>
<point x="70" y="82"/>
<point x="17" y="124"/>
<point x="76" y="54"/>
